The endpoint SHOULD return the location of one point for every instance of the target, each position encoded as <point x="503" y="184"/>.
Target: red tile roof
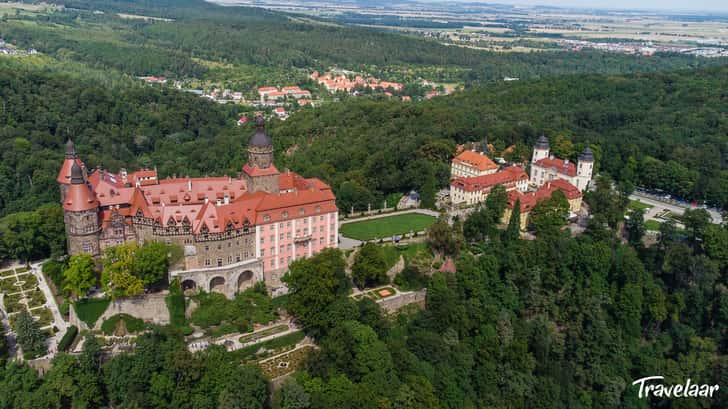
<point x="562" y="166"/>
<point x="509" y="175"/>
<point x="476" y="160"/>
<point x="79" y="198"/>
<point x="530" y="200"/>
<point x="64" y="175"/>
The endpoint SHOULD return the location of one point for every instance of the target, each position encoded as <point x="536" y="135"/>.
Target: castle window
<point x="272" y="251"/>
<point x="272" y="263"/>
<point x="281" y="249"/>
<point x="207" y="262"/>
<point x="219" y="262"/>
<point x="262" y="252"/>
<point x="230" y="259"/>
<point x="237" y="258"/>
<point x="168" y="242"/>
<point x="86" y="247"/>
<point x="207" y="248"/>
<point x="230" y="244"/>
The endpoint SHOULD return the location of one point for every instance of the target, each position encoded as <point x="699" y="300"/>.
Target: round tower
<point x="584" y="168"/>
<point x="260" y="147"/>
<point x="64" y="175"/>
<point x="81" y="215"/>
<point x="541" y="149"/>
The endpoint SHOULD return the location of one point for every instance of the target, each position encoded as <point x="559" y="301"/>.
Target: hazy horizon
<point x="667" y="5"/>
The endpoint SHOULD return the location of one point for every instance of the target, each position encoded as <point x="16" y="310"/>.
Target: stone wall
<point x="392" y="304"/>
<point x="149" y="307"/>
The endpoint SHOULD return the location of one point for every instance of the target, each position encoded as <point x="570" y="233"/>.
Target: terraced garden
<point x="19" y="288"/>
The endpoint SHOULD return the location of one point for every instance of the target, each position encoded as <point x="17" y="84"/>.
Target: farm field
<point x="386" y="226"/>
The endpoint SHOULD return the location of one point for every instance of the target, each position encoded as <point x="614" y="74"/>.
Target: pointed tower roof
<point x="260" y="138"/>
<point x="64" y="175"/>
<point x="70" y="149"/>
<point x="587" y="155"/>
<point x="79" y="196"/>
<point x="542" y="143"/>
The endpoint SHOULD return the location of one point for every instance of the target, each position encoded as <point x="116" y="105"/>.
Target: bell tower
<point x="259" y="173"/>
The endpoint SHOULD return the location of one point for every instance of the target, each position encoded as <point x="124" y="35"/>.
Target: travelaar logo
<point x="687" y="390"/>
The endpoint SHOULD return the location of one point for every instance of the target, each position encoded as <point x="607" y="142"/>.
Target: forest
<point x="555" y="322"/>
<point x="663" y="131"/>
<point x="201" y="33"/>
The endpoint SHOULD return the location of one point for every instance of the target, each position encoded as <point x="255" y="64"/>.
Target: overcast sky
<point x="696" y="5"/>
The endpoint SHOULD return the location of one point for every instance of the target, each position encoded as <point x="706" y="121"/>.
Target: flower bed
<point x="286" y="363"/>
<point x="7" y="273"/>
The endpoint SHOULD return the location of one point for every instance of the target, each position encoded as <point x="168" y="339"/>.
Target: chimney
<point x="189" y="185"/>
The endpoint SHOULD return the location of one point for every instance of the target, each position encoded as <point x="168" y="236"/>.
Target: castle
<point x="234" y="231"/>
<point x="474" y="176"/>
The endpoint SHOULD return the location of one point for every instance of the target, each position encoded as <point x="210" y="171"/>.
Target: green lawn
<point x="652" y="225"/>
<point x="636" y="204"/>
<point x="386" y="226"/>
<point x="89" y="310"/>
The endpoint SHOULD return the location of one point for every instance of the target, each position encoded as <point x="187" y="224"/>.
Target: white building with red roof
<point x="471" y="163"/>
<point x="546" y="167"/>
<point x="473" y="190"/>
<point x="529" y="200"/>
<point x="234" y="230"/>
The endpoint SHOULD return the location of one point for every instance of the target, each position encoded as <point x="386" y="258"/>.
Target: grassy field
<point x="89" y="310"/>
<point x="636" y="204"/>
<point x="652" y="225"/>
<point x="386" y="226"/>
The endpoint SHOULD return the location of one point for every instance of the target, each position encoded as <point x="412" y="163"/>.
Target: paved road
<point x="58" y="320"/>
<point x="677" y="209"/>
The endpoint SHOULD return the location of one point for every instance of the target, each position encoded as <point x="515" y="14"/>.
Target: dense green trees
<point x="29" y="336"/>
<point x="369" y="268"/>
<point x="80" y="275"/>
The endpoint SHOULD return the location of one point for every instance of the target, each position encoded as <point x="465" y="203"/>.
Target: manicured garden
<point x="285" y="363"/>
<point x="653" y="225"/>
<point x="218" y="316"/>
<point x="269" y="348"/>
<point x="387" y="226"/>
<point x="21" y="292"/>
<point x="377" y="293"/>
<point x="262" y="334"/>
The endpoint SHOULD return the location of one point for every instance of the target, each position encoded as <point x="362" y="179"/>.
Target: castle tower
<point x="541" y="149"/>
<point x="260" y="173"/>
<point x="64" y="175"/>
<point x="584" y="169"/>
<point x="81" y="215"/>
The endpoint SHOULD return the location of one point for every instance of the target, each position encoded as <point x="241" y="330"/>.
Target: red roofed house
<point x="545" y="167"/>
<point x="235" y="231"/>
<point x="470" y="163"/>
<point x="474" y="190"/>
<point x="529" y="200"/>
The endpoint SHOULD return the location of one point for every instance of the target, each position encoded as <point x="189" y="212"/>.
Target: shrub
<point x="133" y="325"/>
<point x="68" y="338"/>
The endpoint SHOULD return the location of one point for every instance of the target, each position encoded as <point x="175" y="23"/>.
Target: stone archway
<point x="246" y="279"/>
<point x="189" y="287"/>
<point x="217" y="285"/>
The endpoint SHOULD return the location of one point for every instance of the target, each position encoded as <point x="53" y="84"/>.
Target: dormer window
<point x="266" y="218"/>
<point x="139" y="213"/>
<point x="318" y="209"/>
<point x="301" y="211"/>
<point x="285" y="215"/>
<point x="171" y="221"/>
<point x="204" y="229"/>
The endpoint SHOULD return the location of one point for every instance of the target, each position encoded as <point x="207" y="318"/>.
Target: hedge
<point x="68" y="338"/>
<point x="133" y="324"/>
